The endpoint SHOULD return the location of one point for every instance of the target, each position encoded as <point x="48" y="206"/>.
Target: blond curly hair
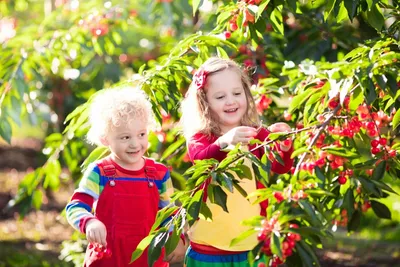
<point x="113" y="107"/>
<point x="196" y="114"/>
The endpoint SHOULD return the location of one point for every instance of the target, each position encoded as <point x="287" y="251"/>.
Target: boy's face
<point x="128" y="143"/>
<point x="226" y="98"/>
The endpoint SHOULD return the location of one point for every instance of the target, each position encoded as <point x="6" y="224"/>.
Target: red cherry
<point x="374" y="143"/>
<point x="261" y="236"/>
<point x="375" y="150"/>
<point x="107" y="253"/>
<point x="291" y="236"/>
<point x="293" y="225"/>
<point x="233" y="26"/>
<point x="342" y="180"/>
<point x="383" y="141"/>
<point x="261" y="264"/>
<point x="227" y="35"/>
<point x="99" y="254"/>
<point x="278" y="196"/>
<point x="91" y="246"/>
<point x="371" y="125"/>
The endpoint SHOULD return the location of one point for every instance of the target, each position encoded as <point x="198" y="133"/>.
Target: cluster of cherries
<point x="100" y="251"/>
<point x="287" y="246"/>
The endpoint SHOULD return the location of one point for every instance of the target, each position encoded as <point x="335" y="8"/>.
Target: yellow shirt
<point x="224" y="226"/>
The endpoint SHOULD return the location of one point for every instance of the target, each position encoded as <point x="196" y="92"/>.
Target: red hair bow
<point x="199" y="79"/>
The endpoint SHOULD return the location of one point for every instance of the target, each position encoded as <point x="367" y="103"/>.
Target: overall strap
<point x="150" y="169"/>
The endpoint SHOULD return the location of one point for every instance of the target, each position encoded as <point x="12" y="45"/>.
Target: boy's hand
<point x="96" y="232"/>
<point x="241" y="134"/>
<point x="178" y="254"/>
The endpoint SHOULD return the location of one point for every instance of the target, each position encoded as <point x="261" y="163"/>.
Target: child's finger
<point x="103" y="238"/>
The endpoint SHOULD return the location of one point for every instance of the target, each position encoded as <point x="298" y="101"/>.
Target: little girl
<point x="125" y="189"/>
<point x="219" y="111"/>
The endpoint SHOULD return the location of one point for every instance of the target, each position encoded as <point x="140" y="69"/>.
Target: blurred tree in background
<point x="328" y="68"/>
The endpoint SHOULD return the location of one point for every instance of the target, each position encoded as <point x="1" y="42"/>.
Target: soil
<point x="40" y="233"/>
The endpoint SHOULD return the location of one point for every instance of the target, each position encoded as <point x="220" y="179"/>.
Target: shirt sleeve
<point x="201" y="147"/>
<point x="286" y="156"/>
<point x="79" y="208"/>
<point x="165" y="191"/>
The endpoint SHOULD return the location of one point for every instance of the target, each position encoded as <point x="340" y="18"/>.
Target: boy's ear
<point x="104" y="141"/>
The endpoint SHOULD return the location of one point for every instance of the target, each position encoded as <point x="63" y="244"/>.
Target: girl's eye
<point x="220" y="97"/>
<point x="238" y="93"/>
<point x="125" y="137"/>
<point x="142" y="134"/>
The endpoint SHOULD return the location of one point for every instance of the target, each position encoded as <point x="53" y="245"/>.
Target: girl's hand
<point x="279" y="127"/>
<point x="241" y="134"/>
<point x="96" y="232"/>
<point x="285" y="145"/>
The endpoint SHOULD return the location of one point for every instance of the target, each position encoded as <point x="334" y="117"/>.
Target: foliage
<point x="331" y="70"/>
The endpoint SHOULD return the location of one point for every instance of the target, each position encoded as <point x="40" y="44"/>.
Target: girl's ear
<point x="104" y="141"/>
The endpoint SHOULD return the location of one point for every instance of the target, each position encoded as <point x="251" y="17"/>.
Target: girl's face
<point x="128" y="143"/>
<point x="226" y="98"/>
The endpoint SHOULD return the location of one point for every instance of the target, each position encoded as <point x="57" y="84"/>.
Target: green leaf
<point x="275" y="136"/>
<point x="351" y="6"/>
<point x="219" y="197"/>
<point x="5" y="130"/>
<point x="194" y="207"/>
<point x="299" y="151"/>
<point x="384" y="186"/>
<point x="276" y="21"/>
<point x="375" y="17"/>
<point x="319" y="193"/>
<point x="356" y="99"/>
<point x="307" y="249"/>
<point x="144" y="243"/>
<point x="396" y="119"/>
<point x="276" y="245"/>
<point x="299" y="99"/>
<point x="328" y="8"/>
<point x="173" y="148"/>
<point x="348" y="202"/>
<point x="243" y="236"/>
<point x="381" y="210"/>
<point x="156" y="244"/>
<point x="162" y="215"/>
<point x="205" y="212"/>
<point x="320" y="174"/>
<point x="172" y="241"/>
<point x="379" y="171"/>
<point x="306" y="258"/>
<point x="98" y="153"/>
<point x="354" y="222"/>
<point x="368" y="186"/>
<point x="343" y="152"/>
<point x="37" y="199"/>
<point x="240" y="189"/>
<point x="196" y="4"/>
<point x="310" y="211"/>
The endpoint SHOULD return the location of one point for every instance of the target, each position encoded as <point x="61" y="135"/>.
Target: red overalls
<point x="128" y="209"/>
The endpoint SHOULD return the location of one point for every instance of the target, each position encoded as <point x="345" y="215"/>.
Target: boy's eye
<point x="142" y="134"/>
<point x="125" y="137"/>
<point x="237" y="93"/>
<point x="220" y="97"/>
